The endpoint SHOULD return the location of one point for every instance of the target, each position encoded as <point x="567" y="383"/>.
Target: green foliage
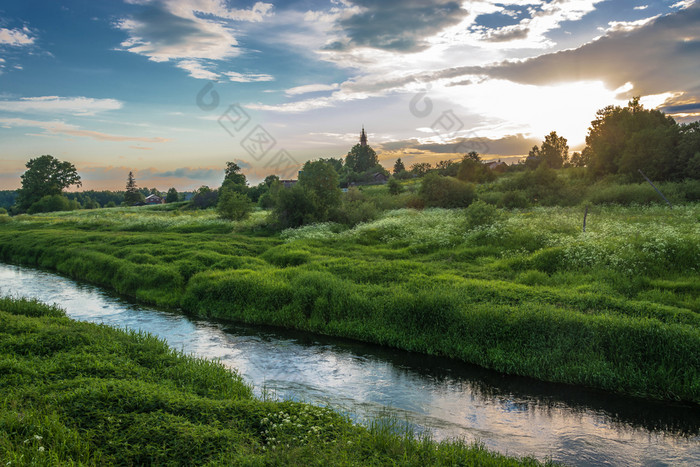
<point x="361" y="158"/>
<point x="205" y="197"/>
<point x="471" y="169"/>
<point x="480" y="214"/>
<point x="172" y="196"/>
<point x="446" y="192"/>
<point x="3" y="211"/>
<point x="395" y="187"/>
<point x="132" y="195"/>
<point x="623" y="140"/>
<point x="420" y="169"/>
<point x="554" y="152"/>
<point x="45" y="176"/>
<point x="233" y="174"/>
<point x="523" y="292"/>
<point x="52" y="203"/>
<point x="399" y="166"/>
<point x="233" y="205"/>
<point x="7" y="198"/>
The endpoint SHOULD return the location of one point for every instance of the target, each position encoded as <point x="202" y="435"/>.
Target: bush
<point x="514" y="200"/>
<point x="479" y="213"/>
<point x="446" y="192"/>
<point x="3" y="211"/>
<point x="641" y="193"/>
<point x="395" y="187"/>
<point x="234" y="206"/>
<point x="52" y="203"/>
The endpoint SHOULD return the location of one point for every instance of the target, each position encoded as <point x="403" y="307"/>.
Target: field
<point x="519" y="291"/>
<point x="85" y="394"/>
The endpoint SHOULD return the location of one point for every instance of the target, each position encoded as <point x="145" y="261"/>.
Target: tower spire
<point x="363" y="137"/>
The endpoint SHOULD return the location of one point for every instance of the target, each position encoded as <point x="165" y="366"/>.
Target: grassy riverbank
<point x="85" y="394"/>
<point x="523" y="292"/>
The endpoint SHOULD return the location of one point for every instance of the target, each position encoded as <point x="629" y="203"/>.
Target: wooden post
<point x="584" y="219"/>
<point x="657" y="190"/>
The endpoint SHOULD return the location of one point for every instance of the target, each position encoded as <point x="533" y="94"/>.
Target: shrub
<point x="624" y="195"/>
<point x="3" y="211"/>
<point x="446" y="192"/>
<point x="52" y="203"/>
<point x="479" y="213"/>
<point x="514" y="200"/>
<point x="234" y="206"/>
<point x="394" y="187"/>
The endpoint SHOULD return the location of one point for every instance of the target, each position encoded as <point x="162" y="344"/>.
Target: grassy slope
<point x="528" y="294"/>
<point x="93" y="395"/>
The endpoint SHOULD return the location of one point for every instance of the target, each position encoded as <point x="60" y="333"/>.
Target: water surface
<point x="512" y="415"/>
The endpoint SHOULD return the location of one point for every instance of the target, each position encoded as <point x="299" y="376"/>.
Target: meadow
<point x="86" y="394"/>
<point x="520" y="291"/>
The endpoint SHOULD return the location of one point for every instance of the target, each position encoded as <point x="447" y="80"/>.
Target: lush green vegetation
<point x="85" y="394"/>
<point x="520" y="291"/>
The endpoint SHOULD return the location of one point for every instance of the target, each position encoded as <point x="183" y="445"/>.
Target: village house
<point x="155" y="199"/>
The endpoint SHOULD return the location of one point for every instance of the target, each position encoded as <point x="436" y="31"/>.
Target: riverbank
<point x="524" y="294"/>
<point x="95" y="395"/>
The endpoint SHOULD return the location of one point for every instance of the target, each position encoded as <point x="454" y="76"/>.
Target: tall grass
<point x="527" y="292"/>
<point x="86" y="394"/>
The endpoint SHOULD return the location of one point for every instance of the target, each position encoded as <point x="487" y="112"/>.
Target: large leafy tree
<point x="554" y="151"/>
<point x="320" y="180"/>
<point x="361" y="158"/>
<point x="622" y="140"/>
<point x="45" y="176"/>
<point x="233" y="174"/>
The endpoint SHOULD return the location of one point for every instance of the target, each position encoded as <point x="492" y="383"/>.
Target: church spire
<point x="363" y="137"/>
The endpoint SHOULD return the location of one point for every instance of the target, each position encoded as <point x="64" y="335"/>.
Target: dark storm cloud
<point x="398" y="25"/>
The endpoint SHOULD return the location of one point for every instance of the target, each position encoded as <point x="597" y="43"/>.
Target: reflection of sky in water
<point x="364" y="381"/>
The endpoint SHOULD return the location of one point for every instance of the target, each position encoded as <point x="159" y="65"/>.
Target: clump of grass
<point x="86" y="394"/>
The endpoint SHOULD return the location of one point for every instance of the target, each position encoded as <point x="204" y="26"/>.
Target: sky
<point x="173" y="89"/>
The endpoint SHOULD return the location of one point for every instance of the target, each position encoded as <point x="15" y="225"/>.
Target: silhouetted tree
<point x="361" y="158"/>
<point x="45" y="176"/>
<point x="398" y="166"/>
<point x="132" y="195"/>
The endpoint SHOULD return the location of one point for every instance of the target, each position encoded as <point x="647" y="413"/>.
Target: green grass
<point x="525" y="292"/>
<point x="85" y="394"/>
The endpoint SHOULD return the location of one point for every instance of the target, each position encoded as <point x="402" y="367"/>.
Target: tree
<point x="320" y="180"/>
<point x="172" y="196"/>
<point x="421" y="168"/>
<point x="233" y="174"/>
<point x="336" y="163"/>
<point x="553" y="152"/>
<point x="133" y="195"/>
<point x="473" y="155"/>
<point x="205" y="197"/>
<point x="361" y="158"/>
<point x="45" y="176"/>
<point x="624" y="140"/>
<point x="398" y="166"/>
<point x="233" y="205"/>
<point x="447" y="168"/>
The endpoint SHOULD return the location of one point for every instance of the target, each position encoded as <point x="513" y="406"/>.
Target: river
<point x="449" y="399"/>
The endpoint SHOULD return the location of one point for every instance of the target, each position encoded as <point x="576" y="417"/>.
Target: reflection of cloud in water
<point x="452" y="400"/>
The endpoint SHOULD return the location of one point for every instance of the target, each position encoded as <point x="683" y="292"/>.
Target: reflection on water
<point x="512" y="415"/>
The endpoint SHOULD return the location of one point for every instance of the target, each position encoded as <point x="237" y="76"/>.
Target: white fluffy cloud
<point x="16" y="37"/>
<point x="187" y="32"/>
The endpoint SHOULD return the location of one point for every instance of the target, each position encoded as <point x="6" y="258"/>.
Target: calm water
<point x="511" y="415"/>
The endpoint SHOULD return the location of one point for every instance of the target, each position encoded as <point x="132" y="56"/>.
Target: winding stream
<point x="512" y="415"/>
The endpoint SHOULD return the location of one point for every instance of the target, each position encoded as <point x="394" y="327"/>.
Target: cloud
<point x="397" y="25"/>
<point x="66" y="105"/>
<point x="199" y="173"/>
<point x="510" y="145"/>
<point x="62" y="128"/>
<point x="308" y="88"/>
<point x="248" y="77"/>
<point x="187" y="31"/>
<point x="656" y="57"/>
<point x="197" y="70"/>
<point x="16" y="37"/>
